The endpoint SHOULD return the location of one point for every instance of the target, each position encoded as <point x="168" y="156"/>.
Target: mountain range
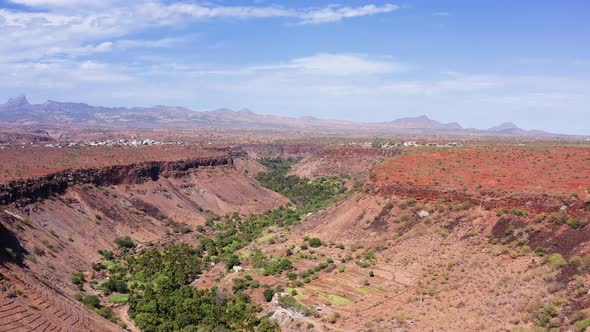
<point x="18" y="112"/>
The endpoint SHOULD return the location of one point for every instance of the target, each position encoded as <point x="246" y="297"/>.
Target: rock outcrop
<point x="27" y="191"/>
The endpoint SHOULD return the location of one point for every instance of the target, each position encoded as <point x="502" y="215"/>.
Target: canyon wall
<point x="28" y="191"/>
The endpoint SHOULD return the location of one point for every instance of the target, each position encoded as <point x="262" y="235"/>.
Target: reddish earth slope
<point x="551" y="169"/>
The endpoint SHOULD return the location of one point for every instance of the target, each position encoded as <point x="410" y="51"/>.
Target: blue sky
<point x="475" y="62"/>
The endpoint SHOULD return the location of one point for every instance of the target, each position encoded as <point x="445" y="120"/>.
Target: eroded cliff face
<point x="28" y="191"/>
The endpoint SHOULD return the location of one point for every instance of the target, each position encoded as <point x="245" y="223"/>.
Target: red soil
<point x="25" y="162"/>
<point x="555" y="170"/>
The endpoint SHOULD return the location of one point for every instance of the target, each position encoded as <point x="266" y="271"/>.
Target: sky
<point x="478" y="63"/>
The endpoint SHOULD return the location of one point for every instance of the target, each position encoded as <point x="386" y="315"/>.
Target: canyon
<point x="399" y="249"/>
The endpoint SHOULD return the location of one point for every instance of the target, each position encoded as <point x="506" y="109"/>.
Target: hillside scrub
<point x="161" y="298"/>
<point x="305" y="193"/>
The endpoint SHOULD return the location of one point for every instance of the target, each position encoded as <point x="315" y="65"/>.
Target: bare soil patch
<point x="553" y="170"/>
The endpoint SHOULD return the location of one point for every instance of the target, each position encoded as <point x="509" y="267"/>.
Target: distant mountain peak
<point x="423" y="122"/>
<point x="504" y="126"/>
<point x="17" y="101"/>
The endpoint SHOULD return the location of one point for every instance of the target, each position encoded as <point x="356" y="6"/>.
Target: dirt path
<point x="122" y="313"/>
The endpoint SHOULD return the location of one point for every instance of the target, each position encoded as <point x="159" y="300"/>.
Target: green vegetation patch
<point x="365" y="290"/>
<point x="118" y="298"/>
<point x="335" y="299"/>
<point x="310" y="195"/>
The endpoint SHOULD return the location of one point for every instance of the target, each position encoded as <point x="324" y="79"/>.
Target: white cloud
<point x="63" y="3"/>
<point x="333" y="65"/>
<point x="345" y="64"/>
<point x="76" y="27"/>
<point x="153" y="43"/>
<point x="335" y="14"/>
<point x="178" y="11"/>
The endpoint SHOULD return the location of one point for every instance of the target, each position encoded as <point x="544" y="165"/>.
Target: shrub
<point x="277" y="265"/>
<point x="105" y="312"/>
<point x="182" y="229"/>
<point x="267" y="325"/>
<point x="582" y="325"/>
<point x="540" y="251"/>
<point x="231" y="261"/>
<point x="558" y="218"/>
<point x="106" y="254"/>
<point x="575" y="223"/>
<point x="540" y="218"/>
<point x="520" y="213"/>
<point x="268" y="294"/>
<point x="545" y="313"/>
<point x="369" y="255"/>
<point x="97" y="266"/>
<point x="78" y="278"/>
<point x="408" y="202"/>
<point x="362" y="264"/>
<point x="556" y="260"/>
<point x="314" y="242"/>
<point x="239" y="284"/>
<point x="114" y="285"/>
<point x="371" y="274"/>
<point x="583" y="263"/>
<point x="509" y="230"/>
<point x="458" y="206"/>
<point x="125" y="242"/>
<point x="91" y="301"/>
